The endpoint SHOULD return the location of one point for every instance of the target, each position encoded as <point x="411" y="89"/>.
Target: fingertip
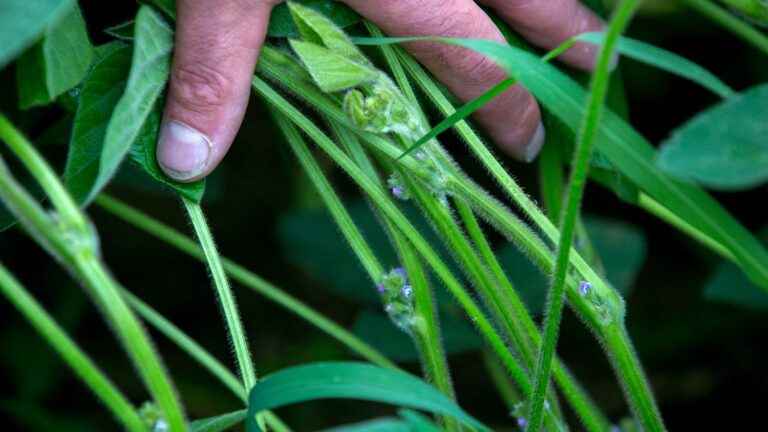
<point x="533" y="148"/>
<point x="183" y="152"/>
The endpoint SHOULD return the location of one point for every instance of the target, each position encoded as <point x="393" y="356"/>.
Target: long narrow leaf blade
<point x="629" y="152"/>
<point x="348" y="380"/>
<point x="465" y="111"/>
<point x="664" y="60"/>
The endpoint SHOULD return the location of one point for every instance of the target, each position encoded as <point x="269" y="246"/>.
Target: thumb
<point x="217" y="44"/>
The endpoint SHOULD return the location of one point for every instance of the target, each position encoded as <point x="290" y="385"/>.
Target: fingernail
<point x="534" y="145"/>
<point x="182" y="151"/>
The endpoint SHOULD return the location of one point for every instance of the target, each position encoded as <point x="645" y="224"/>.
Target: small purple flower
<point x="584" y="288"/>
<point x="401" y="272"/>
<point x="380" y="288"/>
<point x="398" y="192"/>
<point x="407" y="290"/>
<point x="522" y="422"/>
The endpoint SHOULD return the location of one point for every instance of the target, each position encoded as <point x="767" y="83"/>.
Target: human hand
<point x="218" y="41"/>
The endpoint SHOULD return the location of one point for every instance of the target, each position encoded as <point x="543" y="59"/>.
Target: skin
<point x="218" y="42"/>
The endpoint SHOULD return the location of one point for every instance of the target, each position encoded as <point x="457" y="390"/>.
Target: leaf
<point x="348" y="380"/>
<point x="57" y="63"/>
<point x="281" y="23"/>
<point x="219" y="423"/>
<point x="332" y="72"/>
<point x="378" y="330"/>
<point x="315" y="28"/>
<point x="123" y="31"/>
<point x="376" y="425"/>
<point x="724" y="147"/>
<point x="149" y="73"/>
<point x="23" y="21"/>
<point x="629" y="152"/>
<point x="144" y="151"/>
<point x="665" y="60"/>
<point x="729" y="285"/>
<point x="462" y="113"/>
<point x="101" y="91"/>
<point x="620" y="246"/>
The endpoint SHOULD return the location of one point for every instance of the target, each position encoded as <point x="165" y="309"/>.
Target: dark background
<point x="705" y="359"/>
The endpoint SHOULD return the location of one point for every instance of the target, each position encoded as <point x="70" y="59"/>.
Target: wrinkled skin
<point x="218" y="42"/>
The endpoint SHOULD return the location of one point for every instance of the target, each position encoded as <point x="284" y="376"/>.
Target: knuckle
<point x="200" y="88"/>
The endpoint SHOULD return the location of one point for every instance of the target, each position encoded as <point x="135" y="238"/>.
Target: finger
<point x="548" y="23"/>
<point x="512" y="119"/>
<point x="217" y="44"/>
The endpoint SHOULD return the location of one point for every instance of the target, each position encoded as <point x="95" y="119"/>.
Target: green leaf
<point x="123" y="31"/>
<point x="57" y="63"/>
<point x="376" y="425"/>
<point x="149" y="73"/>
<point x="378" y="330"/>
<point x="729" y="285"/>
<point x="665" y="60"/>
<point x="348" y="380"/>
<point x="724" y="147"/>
<point x="281" y="23"/>
<point x="101" y="91"/>
<point x="332" y="72"/>
<point x="23" y="21"/>
<point x="462" y="113"/>
<point x="144" y="153"/>
<point x="219" y="423"/>
<point x="314" y="27"/>
<point x="629" y="152"/>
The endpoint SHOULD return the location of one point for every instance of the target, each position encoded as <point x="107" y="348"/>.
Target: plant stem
<point x="76" y="246"/>
<point x="198" y="353"/>
<point x="398" y="219"/>
<point x="732" y="23"/>
<point x="80" y="363"/>
<point x="632" y="379"/>
<point x="580" y="169"/>
<point x="187" y="344"/>
<point x="426" y="334"/>
<point x="657" y="209"/>
<point x="69" y="213"/>
<point x="287" y="73"/>
<point x="427" y="338"/>
<point x="239" y="273"/>
<point x="224" y="293"/>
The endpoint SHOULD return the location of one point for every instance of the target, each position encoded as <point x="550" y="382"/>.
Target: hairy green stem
<point x="399" y="220"/>
<point x="198" y="353"/>
<point x="427" y="338"/>
<point x="187" y="344"/>
<point x="282" y="69"/>
<point x="75" y="244"/>
<point x="184" y="244"/>
<point x="80" y="363"/>
<point x="426" y="335"/>
<point x="578" y="178"/>
<point x="224" y="292"/>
